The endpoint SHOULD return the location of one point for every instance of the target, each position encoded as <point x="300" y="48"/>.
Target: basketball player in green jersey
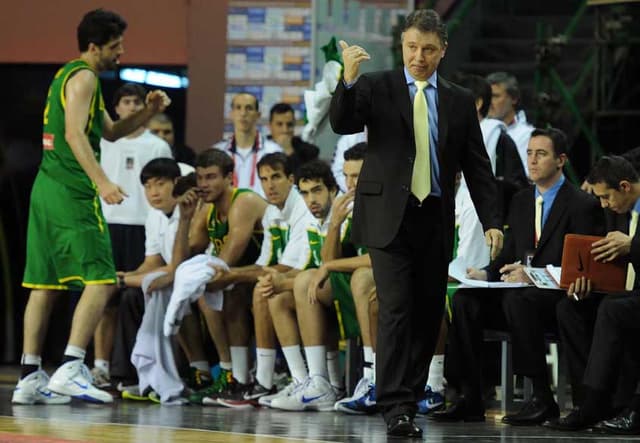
<point x="230" y="220"/>
<point x="349" y="289"/>
<point x="68" y="245"/>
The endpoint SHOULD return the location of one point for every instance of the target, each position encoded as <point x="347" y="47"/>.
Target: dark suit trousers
<point x="576" y="321"/>
<point x="473" y="311"/>
<point x="615" y="348"/>
<point x="530" y="313"/>
<point x="411" y="276"/>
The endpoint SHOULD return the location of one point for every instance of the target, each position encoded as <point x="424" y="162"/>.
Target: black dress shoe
<point x="626" y="423"/>
<point x="576" y="420"/>
<point x="459" y="411"/>
<point x="533" y="412"/>
<point x="403" y="426"/>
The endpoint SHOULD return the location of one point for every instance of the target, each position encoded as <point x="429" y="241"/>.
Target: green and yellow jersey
<point x="219" y="230"/>
<point x="58" y="160"/>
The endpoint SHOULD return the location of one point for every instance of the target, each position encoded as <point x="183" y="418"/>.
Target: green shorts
<point x="345" y="307"/>
<point x="68" y="242"/>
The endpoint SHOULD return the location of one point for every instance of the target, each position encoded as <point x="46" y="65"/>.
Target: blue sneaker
<point x="432" y="401"/>
<point x="363" y="400"/>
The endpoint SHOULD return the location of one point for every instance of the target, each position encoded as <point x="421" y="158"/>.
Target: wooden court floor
<point x="129" y="422"/>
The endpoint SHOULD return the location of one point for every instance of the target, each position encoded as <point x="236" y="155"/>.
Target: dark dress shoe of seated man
<point x="534" y="412"/>
<point x="403" y="426"/>
<point x="576" y="420"/>
<point x="625" y="423"/>
<point x="460" y="410"/>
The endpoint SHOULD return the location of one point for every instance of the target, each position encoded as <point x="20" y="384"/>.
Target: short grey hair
<point x="427" y="20"/>
<point x="508" y="80"/>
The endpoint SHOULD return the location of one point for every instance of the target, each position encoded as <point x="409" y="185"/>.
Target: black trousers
<point x="576" y="322"/>
<point x="530" y="314"/>
<point x="473" y="311"/>
<point x="130" y="313"/>
<point x="527" y="313"/>
<point x="411" y="276"/>
<point x="128" y="244"/>
<point x="614" y="360"/>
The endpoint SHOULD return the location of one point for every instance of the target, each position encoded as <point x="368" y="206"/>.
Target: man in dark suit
<point x="600" y="333"/>
<point x="404" y="205"/>
<point x="539" y="217"/>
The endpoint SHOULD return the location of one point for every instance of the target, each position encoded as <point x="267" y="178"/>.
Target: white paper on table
<point x="458" y="270"/>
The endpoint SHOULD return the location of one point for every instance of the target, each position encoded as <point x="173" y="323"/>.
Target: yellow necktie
<point x="538" y="219"/>
<point x="631" y="273"/>
<point x="421" y="176"/>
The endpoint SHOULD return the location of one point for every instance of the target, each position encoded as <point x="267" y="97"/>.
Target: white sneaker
<point x="316" y="394"/>
<point x="101" y="378"/>
<point x="363" y="400"/>
<point x="33" y="390"/>
<point x="73" y="378"/>
<point x="361" y="389"/>
<point x="285" y="392"/>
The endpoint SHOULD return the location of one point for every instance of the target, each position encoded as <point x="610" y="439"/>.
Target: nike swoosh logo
<point x="310" y="399"/>
<point x="47" y="394"/>
<point x="80" y="385"/>
<point x="251" y="396"/>
<point x="580" y="265"/>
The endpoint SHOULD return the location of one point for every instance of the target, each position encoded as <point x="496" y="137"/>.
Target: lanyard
<point x="257" y="144"/>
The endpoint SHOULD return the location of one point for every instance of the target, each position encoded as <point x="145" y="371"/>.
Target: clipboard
<point x="577" y="261"/>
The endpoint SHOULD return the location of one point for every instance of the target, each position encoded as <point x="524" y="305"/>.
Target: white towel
<point x="152" y="354"/>
<point x="189" y="283"/>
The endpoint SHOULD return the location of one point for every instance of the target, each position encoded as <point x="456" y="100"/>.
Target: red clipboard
<point x="577" y="261"/>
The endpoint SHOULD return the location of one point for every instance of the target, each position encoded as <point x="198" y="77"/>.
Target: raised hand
<point x="157" y="100"/>
<point x="352" y="56"/>
<point x="188" y="203"/>
<point x="342" y="207"/>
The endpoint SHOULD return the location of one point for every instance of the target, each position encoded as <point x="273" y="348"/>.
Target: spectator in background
<point x="281" y="124"/>
<point x="505" y="100"/>
<point x="246" y="146"/>
<point x="162" y="126"/>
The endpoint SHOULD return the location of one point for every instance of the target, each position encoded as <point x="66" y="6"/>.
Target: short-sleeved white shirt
<point x="160" y="233"/>
<point x="285" y="233"/>
<point x="122" y="162"/>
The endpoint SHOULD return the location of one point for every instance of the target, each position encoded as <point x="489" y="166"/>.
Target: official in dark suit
<point x="558" y="208"/>
<point x="600" y="331"/>
<point x="422" y="130"/>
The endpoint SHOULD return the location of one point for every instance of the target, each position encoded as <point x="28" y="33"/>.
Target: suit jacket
<point x="620" y="222"/>
<point x="573" y="212"/>
<point x="381" y="101"/>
